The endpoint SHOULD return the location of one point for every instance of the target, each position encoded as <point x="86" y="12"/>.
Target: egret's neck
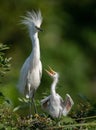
<point x="53" y="86"/>
<point x="35" y="45"/>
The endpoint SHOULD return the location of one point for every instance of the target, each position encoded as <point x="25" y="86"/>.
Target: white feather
<point x="32" y="18"/>
<point x="54" y="104"/>
<point x="31" y="71"/>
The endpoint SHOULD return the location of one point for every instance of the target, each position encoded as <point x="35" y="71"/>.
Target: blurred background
<point x="68" y="45"/>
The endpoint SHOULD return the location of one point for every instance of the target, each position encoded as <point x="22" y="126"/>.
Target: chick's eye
<point x="54" y="74"/>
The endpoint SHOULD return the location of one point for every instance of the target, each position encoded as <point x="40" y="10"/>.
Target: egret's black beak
<point x="39" y="29"/>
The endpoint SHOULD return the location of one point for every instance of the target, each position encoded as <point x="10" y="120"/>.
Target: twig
<point x="85" y="118"/>
<point x="71" y="126"/>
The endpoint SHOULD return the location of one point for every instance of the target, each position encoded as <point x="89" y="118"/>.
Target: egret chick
<point x="31" y="71"/>
<point x="54" y="104"/>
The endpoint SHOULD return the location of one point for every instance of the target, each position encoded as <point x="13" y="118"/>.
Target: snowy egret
<point x="54" y="104"/>
<point x="31" y="71"/>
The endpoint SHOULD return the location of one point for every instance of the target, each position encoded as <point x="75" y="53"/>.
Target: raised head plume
<point x="32" y="18"/>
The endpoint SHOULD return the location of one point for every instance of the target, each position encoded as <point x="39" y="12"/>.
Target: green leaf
<point x="1" y="126"/>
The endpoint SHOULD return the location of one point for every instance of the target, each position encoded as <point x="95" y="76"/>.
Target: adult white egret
<point x="54" y="104"/>
<point x="31" y="71"/>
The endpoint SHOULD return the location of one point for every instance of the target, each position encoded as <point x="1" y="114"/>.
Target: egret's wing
<point x="67" y="104"/>
<point x="45" y="102"/>
<point x="45" y="99"/>
<point x="23" y="76"/>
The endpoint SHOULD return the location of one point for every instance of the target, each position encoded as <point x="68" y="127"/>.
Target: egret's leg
<point x="30" y="107"/>
<point x="30" y="102"/>
<point x="35" y="109"/>
<point x="33" y="101"/>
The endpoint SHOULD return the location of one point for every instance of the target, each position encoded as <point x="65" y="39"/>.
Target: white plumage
<point x="54" y="104"/>
<point x="31" y="71"/>
<point x="33" y="18"/>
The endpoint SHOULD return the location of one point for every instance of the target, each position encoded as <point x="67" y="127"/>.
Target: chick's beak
<point x="50" y="72"/>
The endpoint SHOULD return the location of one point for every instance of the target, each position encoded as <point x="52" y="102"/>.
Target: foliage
<point x="14" y="121"/>
<point x="78" y="119"/>
<point x="4" y="62"/>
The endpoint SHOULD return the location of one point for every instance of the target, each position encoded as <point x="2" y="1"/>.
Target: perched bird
<point x="31" y="71"/>
<point x="54" y="104"/>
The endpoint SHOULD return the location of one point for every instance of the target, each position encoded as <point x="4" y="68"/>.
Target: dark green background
<point x="68" y="45"/>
